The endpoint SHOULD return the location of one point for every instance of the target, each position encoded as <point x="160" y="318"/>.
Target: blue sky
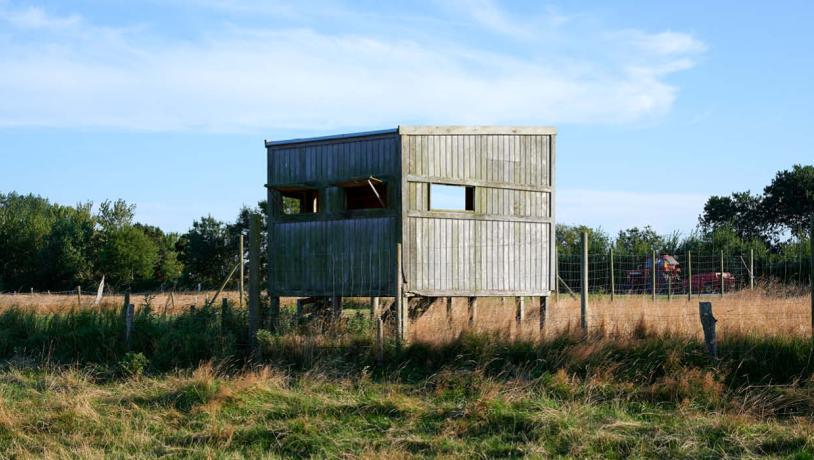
<point x="167" y="103"/>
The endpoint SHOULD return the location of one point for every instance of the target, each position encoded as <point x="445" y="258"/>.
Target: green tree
<point x="207" y="252"/>
<point x="639" y="241"/>
<point x="789" y="200"/>
<point x="569" y="240"/>
<point x="743" y="213"/>
<point x="127" y="256"/>
<point x="168" y="269"/>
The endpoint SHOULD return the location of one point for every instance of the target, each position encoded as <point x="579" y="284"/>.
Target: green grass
<point x="69" y="388"/>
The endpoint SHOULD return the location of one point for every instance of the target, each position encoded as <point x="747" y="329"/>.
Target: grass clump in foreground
<point x="322" y="396"/>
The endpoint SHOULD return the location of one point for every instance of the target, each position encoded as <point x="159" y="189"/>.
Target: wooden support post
<point x="242" y="256"/>
<point x="520" y="313"/>
<point x="336" y="308"/>
<point x="689" y="276"/>
<point x="612" y="277"/>
<point x="399" y="299"/>
<point x="449" y="311"/>
<point x="708" y="324"/>
<point x="472" y="309"/>
<point x="653" y="275"/>
<point x="751" y="269"/>
<point x="299" y="312"/>
<point x="722" y="274"/>
<point x="584" y="308"/>
<point x="254" y="282"/>
<point x="274" y="313"/>
<point x="543" y="313"/>
<point x="376" y="311"/>
<point x="79" y="296"/>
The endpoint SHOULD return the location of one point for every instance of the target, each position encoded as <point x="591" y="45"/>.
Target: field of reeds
<point x="186" y="385"/>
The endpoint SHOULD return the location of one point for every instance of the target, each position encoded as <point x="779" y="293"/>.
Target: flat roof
<point x="426" y="130"/>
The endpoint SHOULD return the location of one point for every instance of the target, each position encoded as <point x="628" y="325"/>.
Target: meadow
<point x="70" y="387"/>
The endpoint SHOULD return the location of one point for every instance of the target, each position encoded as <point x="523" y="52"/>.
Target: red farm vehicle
<point x="669" y="279"/>
<point x="707" y="283"/>
<point x="668" y="276"/>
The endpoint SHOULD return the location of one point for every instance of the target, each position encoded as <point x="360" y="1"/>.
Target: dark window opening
<point x="304" y="201"/>
<point x="368" y="195"/>
<point x="452" y="197"/>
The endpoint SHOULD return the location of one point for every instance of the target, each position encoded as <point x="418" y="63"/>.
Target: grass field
<point x="648" y="397"/>
<point x="69" y="388"/>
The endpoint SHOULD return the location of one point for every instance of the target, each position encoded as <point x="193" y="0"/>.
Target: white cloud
<point x="36" y="18"/>
<point x="298" y="78"/>
<point x="616" y="210"/>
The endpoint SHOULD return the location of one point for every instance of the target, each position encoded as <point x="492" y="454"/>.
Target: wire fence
<point x="764" y="294"/>
<point x="683" y="274"/>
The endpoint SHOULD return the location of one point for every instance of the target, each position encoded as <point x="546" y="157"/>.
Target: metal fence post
<point x="653" y="275"/>
<point x="722" y="274"/>
<point x="752" y="269"/>
<point x="612" y="277"/>
<point x="689" y="275"/>
<point x="584" y="307"/>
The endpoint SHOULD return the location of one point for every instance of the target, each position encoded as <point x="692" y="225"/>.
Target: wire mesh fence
<point x="762" y="294"/>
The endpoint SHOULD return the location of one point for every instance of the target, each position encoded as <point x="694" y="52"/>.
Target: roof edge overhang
<point x="334" y="137"/>
<point x="425" y="130"/>
<point x="441" y="130"/>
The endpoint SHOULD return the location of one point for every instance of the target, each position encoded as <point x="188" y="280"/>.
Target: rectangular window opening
<point x="367" y="195"/>
<point x="300" y="201"/>
<point x="452" y="197"/>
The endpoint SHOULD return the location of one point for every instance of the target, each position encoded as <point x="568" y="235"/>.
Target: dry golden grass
<point x="55" y="303"/>
<point x="743" y="312"/>
<point x="760" y="312"/>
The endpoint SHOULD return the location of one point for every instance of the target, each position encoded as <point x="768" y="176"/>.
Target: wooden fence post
<point x="254" y="282"/>
<point x="708" y="324"/>
<point x="653" y="275"/>
<point x="128" y="312"/>
<point x="79" y="296"/>
<point x="449" y="312"/>
<point x="224" y="314"/>
<point x="240" y="285"/>
<point x="689" y="276"/>
<point x="336" y="308"/>
<point x="612" y="277"/>
<point x="584" y="308"/>
<point x="723" y="283"/>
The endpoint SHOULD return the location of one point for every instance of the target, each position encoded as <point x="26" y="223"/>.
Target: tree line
<point x="48" y="246"/>
<point x="776" y="221"/>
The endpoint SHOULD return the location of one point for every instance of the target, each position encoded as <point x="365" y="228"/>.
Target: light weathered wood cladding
<point x="334" y="252"/>
<point x="504" y="246"/>
<point x="503" y="160"/>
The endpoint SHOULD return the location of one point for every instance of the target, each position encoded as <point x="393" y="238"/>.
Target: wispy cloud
<point x="298" y="76"/>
